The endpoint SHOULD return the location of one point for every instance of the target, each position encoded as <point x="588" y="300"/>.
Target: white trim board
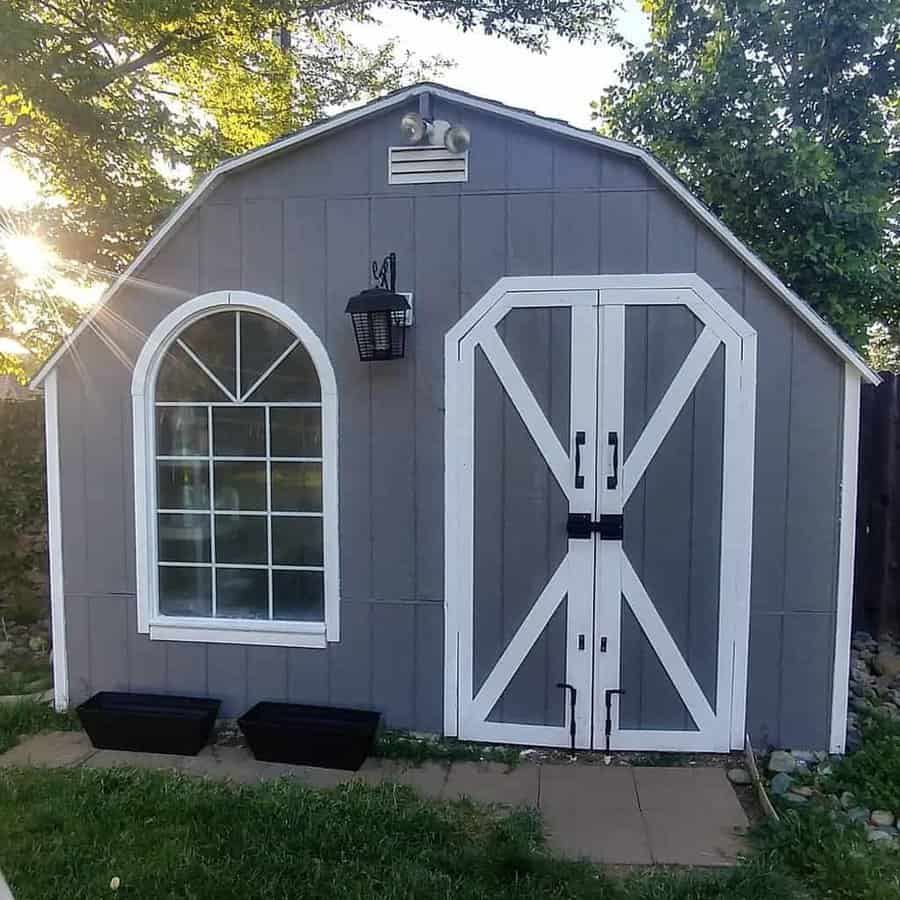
<point x="54" y="539"/>
<point x="344" y="119"/>
<point x="846" y="559"/>
<point x="273" y="633"/>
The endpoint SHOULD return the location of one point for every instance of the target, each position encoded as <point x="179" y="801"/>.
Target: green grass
<point x="872" y="773"/>
<point x="28" y="717"/>
<point x="829" y="860"/>
<point x="67" y="833"/>
<point x="399" y="745"/>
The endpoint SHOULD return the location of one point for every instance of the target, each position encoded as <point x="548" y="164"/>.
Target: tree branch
<point x="164" y="47"/>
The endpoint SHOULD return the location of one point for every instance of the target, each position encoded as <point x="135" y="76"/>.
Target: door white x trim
<point x="718" y="725"/>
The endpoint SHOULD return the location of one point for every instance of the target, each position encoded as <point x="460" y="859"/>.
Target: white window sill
<point x="247" y="632"/>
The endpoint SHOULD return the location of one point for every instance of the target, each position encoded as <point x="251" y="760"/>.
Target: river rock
<point x="739" y="776"/>
<point x="887" y="663"/>
<point x="782" y="761"/>
<point x="881" y="818"/>
<point x="876" y="835"/>
<point x="781" y="784"/>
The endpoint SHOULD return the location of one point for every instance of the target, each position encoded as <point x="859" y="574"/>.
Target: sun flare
<point x="28" y="254"/>
<point x="12" y="347"/>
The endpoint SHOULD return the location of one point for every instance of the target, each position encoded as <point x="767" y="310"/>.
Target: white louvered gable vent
<point x="426" y="165"/>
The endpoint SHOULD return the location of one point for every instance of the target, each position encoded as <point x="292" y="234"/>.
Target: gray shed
<point x="618" y="453"/>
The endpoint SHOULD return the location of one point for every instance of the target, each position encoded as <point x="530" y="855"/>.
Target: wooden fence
<point x="876" y="598"/>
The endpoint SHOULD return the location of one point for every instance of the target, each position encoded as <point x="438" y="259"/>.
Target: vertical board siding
<point x="146" y="658"/>
<point x="765" y="675"/>
<point x="261" y="247"/>
<point x="350" y="663"/>
<point x="428" y="684"/>
<point x="305" y="261"/>
<point x="530" y="555"/>
<point x="671" y="236"/>
<point x="393" y="413"/>
<point x="805" y="707"/>
<point x="706" y="525"/>
<point x="347" y="235"/>
<point x="437" y="245"/>
<point x="531" y="166"/>
<point x="79" y="641"/>
<point x="576" y="166"/>
<point x="304" y="227"/>
<point x="220" y="247"/>
<point x="393" y="672"/>
<point x="814" y="466"/>
<point x="489" y="439"/>
<point x="104" y="499"/>
<point x="267" y="674"/>
<point x="186" y="669"/>
<point x="576" y="233"/>
<point x="307" y="677"/>
<point x="482" y="246"/>
<point x="107" y="617"/>
<point x="623" y="232"/>
<point x="226" y="677"/>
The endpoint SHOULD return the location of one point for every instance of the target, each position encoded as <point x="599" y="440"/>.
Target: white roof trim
<point x="803" y="309"/>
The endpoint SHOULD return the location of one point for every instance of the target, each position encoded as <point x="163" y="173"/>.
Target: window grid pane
<point x="233" y="585"/>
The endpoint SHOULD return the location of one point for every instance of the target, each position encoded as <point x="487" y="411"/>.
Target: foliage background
<point x="23" y="533"/>
<point x="782" y="115"/>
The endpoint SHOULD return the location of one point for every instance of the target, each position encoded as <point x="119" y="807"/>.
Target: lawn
<point x="68" y="833"/>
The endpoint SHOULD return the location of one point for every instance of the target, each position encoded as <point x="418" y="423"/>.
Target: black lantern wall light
<point x="380" y="315"/>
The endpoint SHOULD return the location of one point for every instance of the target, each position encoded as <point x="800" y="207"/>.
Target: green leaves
<point x="108" y="99"/>
<point x="779" y="115"/>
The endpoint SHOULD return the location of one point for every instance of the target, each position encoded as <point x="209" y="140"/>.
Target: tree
<point x="119" y="103"/>
<point x="782" y="116"/>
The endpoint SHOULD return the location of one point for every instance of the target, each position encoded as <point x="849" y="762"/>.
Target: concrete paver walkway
<point x="615" y="814"/>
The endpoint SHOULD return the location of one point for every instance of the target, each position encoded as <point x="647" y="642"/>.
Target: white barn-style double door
<point x="551" y="498"/>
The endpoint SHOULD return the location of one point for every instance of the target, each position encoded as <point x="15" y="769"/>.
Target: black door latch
<point x="580" y="526"/>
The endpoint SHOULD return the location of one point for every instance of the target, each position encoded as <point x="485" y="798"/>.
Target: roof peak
<point x="559" y="127"/>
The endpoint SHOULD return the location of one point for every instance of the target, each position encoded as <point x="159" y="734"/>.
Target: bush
<point x="872" y="773"/>
<point x="23" y="536"/>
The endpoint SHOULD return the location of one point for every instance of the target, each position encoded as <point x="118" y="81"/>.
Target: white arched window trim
<point x="271" y="633"/>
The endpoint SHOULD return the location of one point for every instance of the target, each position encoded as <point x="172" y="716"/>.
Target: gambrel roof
<point x="519" y="116"/>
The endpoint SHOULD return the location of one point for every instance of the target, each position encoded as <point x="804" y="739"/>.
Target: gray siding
<point x="303" y="227"/>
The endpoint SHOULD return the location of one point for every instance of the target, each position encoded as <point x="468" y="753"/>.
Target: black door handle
<point x="612" y="481"/>
<point x="579" y="443"/>
<point x="573" y="693"/>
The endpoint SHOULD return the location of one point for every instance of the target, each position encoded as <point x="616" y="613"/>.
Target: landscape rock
<point x="887" y="663"/>
<point x="881" y="818"/>
<point x="858" y="814"/>
<point x="781" y="783"/>
<point x="807" y="757"/>
<point x="739" y="776"/>
<point x="5" y="647"/>
<point x="802" y="790"/>
<point x="37" y="644"/>
<point x="847" y="800"/>
<point x="782" y="761"/>
<point x="876" y="835"/>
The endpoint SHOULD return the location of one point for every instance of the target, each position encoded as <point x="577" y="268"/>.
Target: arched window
<point x="235" y="442"/>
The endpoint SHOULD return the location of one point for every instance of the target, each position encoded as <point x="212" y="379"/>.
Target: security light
<point x="457" y="139"/>
<point x="414" y="127"/>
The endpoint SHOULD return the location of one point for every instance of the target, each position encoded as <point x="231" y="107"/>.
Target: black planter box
<point x="310" y="735"/>
<point x="150" y="723"/>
